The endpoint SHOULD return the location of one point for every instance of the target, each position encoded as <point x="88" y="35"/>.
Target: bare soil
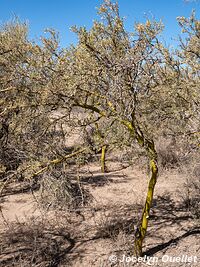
<point x="105" y="226"/>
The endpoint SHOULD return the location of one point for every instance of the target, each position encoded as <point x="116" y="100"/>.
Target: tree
<point x="189" y="56"/>
<point x="129" y="87"/>
<point x="122" y="89"/>
<point x="32" y="141"/>
<point x="107" y="76"/>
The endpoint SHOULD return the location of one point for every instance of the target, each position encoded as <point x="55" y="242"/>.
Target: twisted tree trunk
<point x="142" y="228"/>
<point x="150" y="149"/>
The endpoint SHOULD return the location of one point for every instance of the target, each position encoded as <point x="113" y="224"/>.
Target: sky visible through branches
<point x="62" y="14"/>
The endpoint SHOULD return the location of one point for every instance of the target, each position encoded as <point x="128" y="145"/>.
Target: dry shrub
<point x="61" y="191"/>
<point x="191" y="193"/>
<point x="168" y="155"/>
<point x="10" y="159"/>
<point x="34" y="243"/>
<point x="175" y="151"/>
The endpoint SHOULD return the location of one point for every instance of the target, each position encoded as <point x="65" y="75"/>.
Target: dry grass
<point x="34" y="243"/>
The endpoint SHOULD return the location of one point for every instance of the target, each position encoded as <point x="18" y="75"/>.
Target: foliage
<point x="118" y="89"/>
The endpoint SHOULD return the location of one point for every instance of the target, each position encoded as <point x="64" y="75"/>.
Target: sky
<point x="62" y="14"/>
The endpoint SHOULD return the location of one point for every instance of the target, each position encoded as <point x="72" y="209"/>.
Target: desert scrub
<point x="191" y="192"/>
<point x="61" y="192"/>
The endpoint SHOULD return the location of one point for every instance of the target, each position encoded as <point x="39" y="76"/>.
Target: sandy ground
<point x="104" y="233"/>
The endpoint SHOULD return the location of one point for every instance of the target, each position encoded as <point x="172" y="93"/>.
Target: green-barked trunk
<point x="103" y="158"/>
<point x="150" y="149"/>
<point x="142" y="228"/>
